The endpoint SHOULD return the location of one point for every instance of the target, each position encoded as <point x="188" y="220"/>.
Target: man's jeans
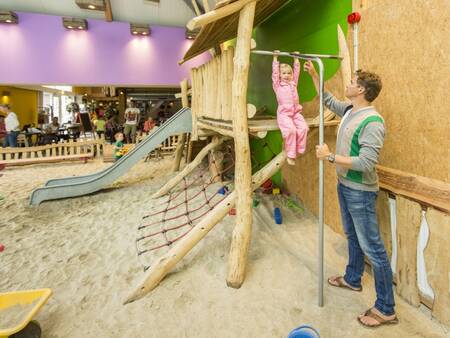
<point x="11" y="139"/>
<point x="358" y="212"/>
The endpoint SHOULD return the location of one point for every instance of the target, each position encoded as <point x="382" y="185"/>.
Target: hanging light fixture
<point x="138" y="29"/>
<point x="191" y="34"/>
<point x="95" y="5"/>
<point x="8" y="17"/>
<point x="75" y="24"/>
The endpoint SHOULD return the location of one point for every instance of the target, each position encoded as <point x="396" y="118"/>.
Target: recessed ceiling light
<point x="70" y="27"/>
<point x="8" y="17"/>
<point x="80" y="27"/>
<point x="91" y="6"/>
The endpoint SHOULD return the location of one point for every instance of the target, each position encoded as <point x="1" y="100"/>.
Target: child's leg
<point x="301" y="132"/>
<point x="289" y="133"/>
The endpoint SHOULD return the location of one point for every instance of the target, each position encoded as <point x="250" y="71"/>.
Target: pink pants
<point x="294" y="130"/>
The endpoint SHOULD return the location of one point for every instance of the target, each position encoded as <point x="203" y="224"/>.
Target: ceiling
<point x="166" y="13"/>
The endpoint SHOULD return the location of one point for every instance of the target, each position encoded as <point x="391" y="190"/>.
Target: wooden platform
<point x="257" y="127"/>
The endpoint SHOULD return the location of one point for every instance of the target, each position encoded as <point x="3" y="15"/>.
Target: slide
<point x="179" y="123"/>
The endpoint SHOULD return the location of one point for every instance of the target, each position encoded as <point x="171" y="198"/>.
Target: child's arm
<point x="296" y="74"/>
<point x="275" y="70"/>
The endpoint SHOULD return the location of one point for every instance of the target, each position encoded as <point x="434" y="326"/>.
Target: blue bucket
<point x="277" y="216"/>
<point x="304" y="331"/>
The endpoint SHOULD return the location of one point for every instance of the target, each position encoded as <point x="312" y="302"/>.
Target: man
<point x="11" y="125"/>
<point x="359" y="141"/>
<point x="131" y="122"/>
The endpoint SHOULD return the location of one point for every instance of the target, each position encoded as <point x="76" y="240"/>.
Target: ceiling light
<point x="74" y="23"/>
<point x="137" y="29"/>
<point x="9" y="17"/>
<point x="96" y="5"/>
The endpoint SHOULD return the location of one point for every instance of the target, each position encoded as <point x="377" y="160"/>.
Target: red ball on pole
<point x="353" y="18"/>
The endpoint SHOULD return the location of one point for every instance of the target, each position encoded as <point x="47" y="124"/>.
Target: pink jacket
<point x="286" y="92"/>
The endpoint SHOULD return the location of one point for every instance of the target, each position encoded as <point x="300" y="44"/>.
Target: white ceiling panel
<point x="166" y="13"/>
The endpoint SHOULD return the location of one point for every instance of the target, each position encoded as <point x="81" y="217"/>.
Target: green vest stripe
<point x="354" y="175"/>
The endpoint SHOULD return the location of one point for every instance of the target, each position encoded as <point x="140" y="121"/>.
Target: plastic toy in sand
<point x="277" y="215"/>
<point x="304" y="331"/>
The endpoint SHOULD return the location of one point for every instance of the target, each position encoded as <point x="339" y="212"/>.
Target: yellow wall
<point x="23" y="102"/>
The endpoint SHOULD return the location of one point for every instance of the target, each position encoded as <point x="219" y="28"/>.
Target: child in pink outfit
<point x="292" y="124"/>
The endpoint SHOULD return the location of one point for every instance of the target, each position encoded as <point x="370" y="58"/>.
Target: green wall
<point x="308" y="26"/>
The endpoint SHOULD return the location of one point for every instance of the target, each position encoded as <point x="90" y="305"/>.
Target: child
<point x="149" y="125"/>
<point x="118" y="146"/>
<point x="100" y="124"/>
<point x="293" y="126"/>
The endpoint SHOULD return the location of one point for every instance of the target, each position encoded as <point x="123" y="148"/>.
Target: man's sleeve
<point x="371" y="141"/>
<point x="336" y="106"/>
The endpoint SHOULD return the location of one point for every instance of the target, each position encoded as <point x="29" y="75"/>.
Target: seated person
<point x="52" y="128"/>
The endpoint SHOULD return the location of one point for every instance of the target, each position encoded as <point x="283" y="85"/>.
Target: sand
<point x="84" y="250"/>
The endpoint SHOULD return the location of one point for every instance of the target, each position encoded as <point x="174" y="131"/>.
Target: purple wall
<point x="39" y="50"/>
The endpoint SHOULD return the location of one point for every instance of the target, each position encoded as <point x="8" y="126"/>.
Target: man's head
<point x="132" y="104"/>
<point x="367" y="85"/>
<point x="55" y="120"/>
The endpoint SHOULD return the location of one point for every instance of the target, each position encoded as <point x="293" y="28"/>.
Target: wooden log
<point x="346" y="68"/>
<point x="182" y="137"/>
<point x="216" y="163"/>
<point x="425" y="190"/>
<point x="194" y="104"/>
<point x="244" y="216"/>
<point x="229" y="84"/>
<point x="409" y="216"/>
<point x="252" y="44"/>
<point x="221" y="131"/>
<point x="188" y="168"/>
<point x="167" y="262"/>
<point x="217" y="14"/>
<point x="437" y="257"/>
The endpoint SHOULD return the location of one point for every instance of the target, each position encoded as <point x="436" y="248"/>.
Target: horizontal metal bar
<point x="298" y="55"/>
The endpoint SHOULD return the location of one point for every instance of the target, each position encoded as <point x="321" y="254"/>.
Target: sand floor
<point x="84" y="250"/>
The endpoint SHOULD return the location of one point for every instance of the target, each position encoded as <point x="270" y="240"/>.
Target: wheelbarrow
<point x="17" y="310"/>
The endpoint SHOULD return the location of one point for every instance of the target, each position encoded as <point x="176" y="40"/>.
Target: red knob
<point x="353" y="18"/>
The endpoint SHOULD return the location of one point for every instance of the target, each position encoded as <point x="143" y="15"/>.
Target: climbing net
<point x="173" y="216"/>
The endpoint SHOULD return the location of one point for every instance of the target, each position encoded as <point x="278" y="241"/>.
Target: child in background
<point x="118" y="146"/>
<point x="100" y="124"/>
<point x="149" y="124"/>
<point x="293" y="126"/>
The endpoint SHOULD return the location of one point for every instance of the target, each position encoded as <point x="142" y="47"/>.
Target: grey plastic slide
<point x="73" y="186"/>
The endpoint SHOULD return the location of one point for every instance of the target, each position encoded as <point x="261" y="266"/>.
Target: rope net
<point x="173" y="216"/>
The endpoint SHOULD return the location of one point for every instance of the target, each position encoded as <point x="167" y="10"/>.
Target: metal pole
<point x="316" y="58"/>
<point x="298" y="55"/>
<point x="321" y="183"/>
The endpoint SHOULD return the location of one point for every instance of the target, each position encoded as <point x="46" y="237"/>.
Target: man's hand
<point x="322" y="151"/>
<point x="309" y="67"/>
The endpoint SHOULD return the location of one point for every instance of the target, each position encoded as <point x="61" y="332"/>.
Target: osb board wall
<point x="407" y="44"/>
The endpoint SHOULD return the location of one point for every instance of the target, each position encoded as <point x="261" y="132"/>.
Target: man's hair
<point x="371" y="82"/>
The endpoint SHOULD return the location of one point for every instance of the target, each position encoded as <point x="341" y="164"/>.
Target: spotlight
<point x="8" y="17"/>
<point x="74" y="23"/>
<point x="137" y="29"/>
<point x="191" y="35"/>
<point x="96" y="5"/>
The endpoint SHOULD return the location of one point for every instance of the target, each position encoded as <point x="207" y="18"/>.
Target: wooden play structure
<point x="220" y="108"/>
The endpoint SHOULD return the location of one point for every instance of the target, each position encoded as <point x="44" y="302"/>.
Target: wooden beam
<point x="243" y="168"/>
<point x="217" y="129"/>
<point x="108" y="11"/>
<point x="216" y="14"/>
<point x="188" y="168"/>
<point x="181" y="137"/>
<point x="181" y="248"/>
<point x="424" y="190"/>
